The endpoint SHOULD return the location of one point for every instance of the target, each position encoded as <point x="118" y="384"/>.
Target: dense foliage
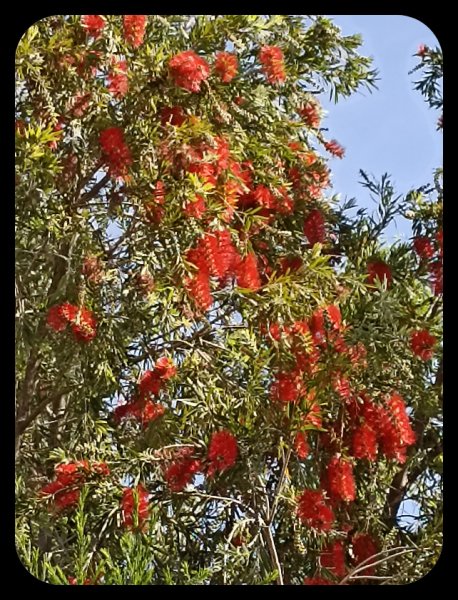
<point x="223" y="375"/>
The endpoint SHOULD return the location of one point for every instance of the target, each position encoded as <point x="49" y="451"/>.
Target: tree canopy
<point x="224" y="374"/>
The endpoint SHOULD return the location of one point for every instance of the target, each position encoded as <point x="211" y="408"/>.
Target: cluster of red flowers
<point x="340" y="480"/>
<point x="115" y="151"/>
<point x="301" y="445"/>
<point x="364" y="547"/>
<point x="422" y="344"/>
<point x="134" y="29"/>
<point x="388" y="428"/>
<point x="173" y="115"/>
<point x="273" y="64"/>
<point x="182" y="470"/>
<point x="378" y="270"/>
<point x="317" y="581"/>
<point x="315" y="227"/>
<point x="226" y="65"/>
<point x="188" y="70"/>
<point x="311" y="113"/>
<point x="82" y="321"/>
<point x="332" y="558"/>
<point x="94" y="24"/>
<point x="66" y="488"/>
<point x="222" y="452"/>
<point x="134" y="504"/>
<point x="215" y="256"/>
<point x="432" y="254"/>
<point x="334" y="148"/>
<point x="314" y="511"/>
<point x="118" y="83"/>
<point x="142" y="407"/>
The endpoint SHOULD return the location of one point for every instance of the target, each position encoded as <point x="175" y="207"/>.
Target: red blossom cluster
<point x="115" y="151"/>
<point x="332" y="558"/>
<point x="81" y="320"/>
<point x="364" y="547"/>
<point x="66" y="488"/>
<point x="142" y="407"/>
<point x="94" y="24"/>
<point x="174" y="115"/>
<point x="118" y="82"/>
<point x="301" y="445"/>
<point x="182" y="470"/>
<point x="188" y="70"/>
<point x="334" y="148"/>
<point x="134" y="505"/>
<point x="226" y="65"/>
<point x="273" y="63"/>
<point x="317" y="581"/>
<point x="222" y="452"/>
<point x="340" y="480"/>
<point x="422" y="344"/>
<point x="431" y="253"/>
<point x="314" y="511"/>
<point x="315" y="227"/>
<point x="134" y="29"/>
<point x="311" y="113"/>
<point x="379" y="270"/>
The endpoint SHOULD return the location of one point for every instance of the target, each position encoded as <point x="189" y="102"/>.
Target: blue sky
<point x="391" y="129"/>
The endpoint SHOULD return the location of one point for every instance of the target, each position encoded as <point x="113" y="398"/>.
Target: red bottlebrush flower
<point x="188" y="70"/>
<point x="149" y="384"/>
<point x="149" y="411"/>
<point x="100" y="468"/>
<point x="422" y="50"/>
<point x="397" y="408"/>
<point x="340" y="479"/>
<point x="165" y="368"/>
<point x="437" y="277"/>
<point x="379" y="270"/>
<point x="311" y="113"/>
<point x="238" y="540"/>
<point x="198" y="288"/>
<point x="84" y="326"/>
<point x="226" y="65"/>
<point x="273" y="64"/>
<point x="364" y="442"/>
<point x="173" y="115"/>
<point x="313" y="416"/>
<point x="115" y="151"/>
<point x="313" y="510"/>
<point x="316" y="324"/>
<point x="222" y="154"/>
<point x="222" y="452"/>
<point x="264" y="197"/>
<point x="341" y="385"/>
<point x="69" y="311"/>
<point x="55" y="319"/>
<point x="134" y="29"/>
<point x="301" y="445"/>
<point x="332" y="557"/>
<point x="69" y="473"/>
<point x="284" y="204"/>
<point x="181" y="472"/>
<point x="290" y="264"/>
<point x="134" y="506"/>
<point x="422" y="344"/>
<point x="74" y="581"/>
<point x="423" y="247"/>
<point x="363" y="548"/>
<point x="334" y="316"/>
<point x="118" y="83"/>
<point x="94" y="24"/>
<point x="196" y="207"/>
<point x="389" y="436"/>
<point x="317" y="581"/>
<point x="286" y="388"/>
<point x="314" y="227"/>
<point x="334" y="148"/>
<point x="247" y="273"/>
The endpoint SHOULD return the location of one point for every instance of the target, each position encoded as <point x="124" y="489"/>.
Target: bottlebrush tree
<point x="222" y="376"/>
